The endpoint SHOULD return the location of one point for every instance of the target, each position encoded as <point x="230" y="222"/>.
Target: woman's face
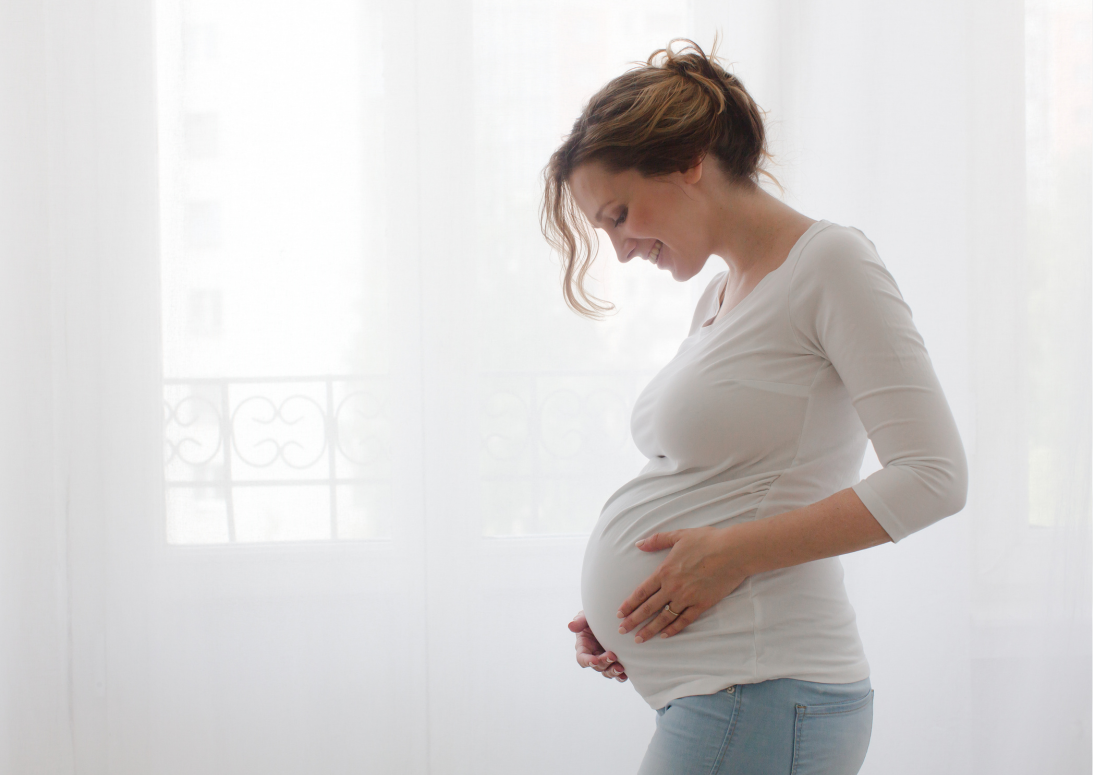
<point x="657" y="219"/>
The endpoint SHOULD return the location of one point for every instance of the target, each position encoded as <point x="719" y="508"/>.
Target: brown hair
<point x="660" y="117"/>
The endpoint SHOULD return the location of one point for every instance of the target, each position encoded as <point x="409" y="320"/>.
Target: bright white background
<point x="233" y="233"/>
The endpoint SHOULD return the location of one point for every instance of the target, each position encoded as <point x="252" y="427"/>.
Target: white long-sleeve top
<point x="762" y="411"/>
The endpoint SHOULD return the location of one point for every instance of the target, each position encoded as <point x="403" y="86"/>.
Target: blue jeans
<point x="782" y="727"/>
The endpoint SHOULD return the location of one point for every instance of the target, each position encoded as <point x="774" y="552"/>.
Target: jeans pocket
<point x="832" y="739"/>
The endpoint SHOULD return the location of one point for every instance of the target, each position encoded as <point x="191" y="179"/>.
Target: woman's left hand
<point x="702" y="568"/>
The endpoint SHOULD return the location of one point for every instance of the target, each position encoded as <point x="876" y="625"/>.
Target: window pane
<point x="272" y="246"/>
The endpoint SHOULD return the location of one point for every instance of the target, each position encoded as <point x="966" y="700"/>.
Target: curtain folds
<point x="186" y="250"/>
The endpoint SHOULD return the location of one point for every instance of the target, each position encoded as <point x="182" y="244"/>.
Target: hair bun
<point x="693" y="64"/>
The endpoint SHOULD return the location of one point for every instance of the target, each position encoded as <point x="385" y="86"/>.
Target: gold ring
<point x="668" y="608"/>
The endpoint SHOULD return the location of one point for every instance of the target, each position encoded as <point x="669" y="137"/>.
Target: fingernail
<point x="622" y="630"/>
<point x="620" y="615"/>
<point x="664" y="635"/>
<point x="639" y="543"/>
<point x="609" y="661"/>
<point x="638" y="639"/>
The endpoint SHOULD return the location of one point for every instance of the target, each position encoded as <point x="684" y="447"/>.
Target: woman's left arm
<point x="706" y="564"/>
<point x="846" y="308"/>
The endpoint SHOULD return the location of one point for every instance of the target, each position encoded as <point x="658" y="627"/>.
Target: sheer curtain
<point x="301" y="444"/>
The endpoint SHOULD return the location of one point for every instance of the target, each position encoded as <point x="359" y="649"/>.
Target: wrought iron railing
<point x="555" y="445"/>
<point x="326" y="434"/>
<point x="295" y="458"/>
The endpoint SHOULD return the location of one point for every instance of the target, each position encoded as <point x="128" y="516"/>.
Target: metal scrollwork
<point x="507" y="416"/>
<point x="561" y="423"/>
<point x="187" y="414"/>
<point x="292" y="412"/>
<point x="356" y="412"/>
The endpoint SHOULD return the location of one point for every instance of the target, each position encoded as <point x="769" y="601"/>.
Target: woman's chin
<point x="682" y="275"/>
<point x="668" y="264"/>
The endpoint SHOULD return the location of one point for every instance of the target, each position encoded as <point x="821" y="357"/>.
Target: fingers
<point x="598" y="662"/>
<point x="595" y="661"/>
<point x="591" y="654"/>
<point x="603" y="662"/>
<point x="609" y="666"/>
<point x="688" y="616"/>
<point x="588" y="648"/>
<point x="615" y="671"/>
<point x="659" y="541"/>
<point x="645" y="611"/>
<point x="586" y="645"/>
<point x="645" y="590"/>
<point x="663" y="619"/>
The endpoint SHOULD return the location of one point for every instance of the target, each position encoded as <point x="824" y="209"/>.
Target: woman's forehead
<point x="591" y="178"/>
<point x="594" y="186"/>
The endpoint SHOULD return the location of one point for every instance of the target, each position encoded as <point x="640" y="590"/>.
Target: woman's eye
<point x="621" y="218"/>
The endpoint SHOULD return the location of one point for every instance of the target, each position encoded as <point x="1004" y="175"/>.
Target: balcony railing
<point x="270" y="459"/>
<point x="309" y="458"/>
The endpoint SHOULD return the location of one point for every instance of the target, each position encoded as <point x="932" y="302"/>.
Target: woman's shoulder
<point x="840" y="275"/>
<point x="834" y="249"/>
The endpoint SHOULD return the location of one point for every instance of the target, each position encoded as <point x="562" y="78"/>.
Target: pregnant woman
<point x="712" y="579"/>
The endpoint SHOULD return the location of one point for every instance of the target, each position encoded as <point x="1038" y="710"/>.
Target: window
<point x="274" y="293"/>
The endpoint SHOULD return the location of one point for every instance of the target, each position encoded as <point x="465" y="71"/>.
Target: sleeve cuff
<point x="880" y="511"/>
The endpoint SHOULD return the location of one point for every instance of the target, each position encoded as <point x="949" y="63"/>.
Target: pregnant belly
<point x="614" y="567"/>
<point x="790" y="622"/>
<point x="611" y="573"/>
<point x="720" y="642"/>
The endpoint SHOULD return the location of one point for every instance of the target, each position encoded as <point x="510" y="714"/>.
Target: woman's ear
<point x="694" y="174"/>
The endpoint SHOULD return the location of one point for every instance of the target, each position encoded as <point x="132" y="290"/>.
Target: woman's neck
<point x="751" y="230"/>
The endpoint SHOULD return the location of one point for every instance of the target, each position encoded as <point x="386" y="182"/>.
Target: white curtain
<point x="300" y="443"/>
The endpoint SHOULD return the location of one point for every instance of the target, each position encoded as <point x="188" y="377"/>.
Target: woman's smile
<point x="654" y="254"/>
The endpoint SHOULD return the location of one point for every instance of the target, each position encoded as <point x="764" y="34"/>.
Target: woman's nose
<point x="623" y="248"/>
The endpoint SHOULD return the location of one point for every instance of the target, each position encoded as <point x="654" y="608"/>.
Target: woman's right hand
<point x="591" y="654"/>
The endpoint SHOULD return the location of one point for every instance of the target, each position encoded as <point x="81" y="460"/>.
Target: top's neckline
<point x="719" y="297"/>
